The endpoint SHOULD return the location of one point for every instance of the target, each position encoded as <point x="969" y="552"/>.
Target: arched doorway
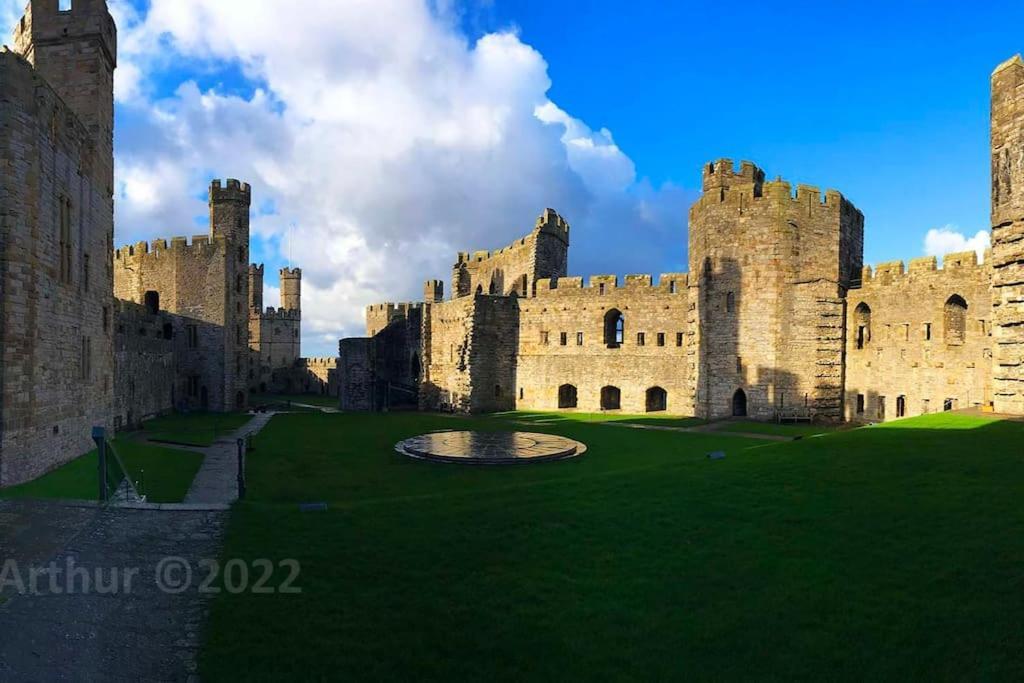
<point x="739" y="403"/>
<point x="610" y="398"/>
<point x="567" y="396"/>
<point x="657" y="400"/>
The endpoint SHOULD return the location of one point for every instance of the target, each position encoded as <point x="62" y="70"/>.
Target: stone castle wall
<point x="562" y="344"/>
<point x="205" y="283"/>
<point x="770" y="269"/>
<point x="145" y="364"/>
<point x="1007" y="146"/>
<point x="910" y="347"/>
<point x="56" y="228"/>
<point x="513" y="269"/>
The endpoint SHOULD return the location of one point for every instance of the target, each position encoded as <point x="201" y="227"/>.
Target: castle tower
<point x="433" y="291"/>
<point x="769" y="271"/>
<point x="229" y="211"/>
<point x="291" y="288"/>
<point x="75" y="51"/>
<point x="1008" y="235"/>
<point x="551" y="245"/>
<point x="256" y="287"/>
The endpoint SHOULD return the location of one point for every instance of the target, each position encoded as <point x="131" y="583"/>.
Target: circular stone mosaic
<point x="490" y="448"/>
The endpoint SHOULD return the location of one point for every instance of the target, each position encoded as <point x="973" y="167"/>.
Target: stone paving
<point x="217" y="479"/>
<point x="136" y="631"/>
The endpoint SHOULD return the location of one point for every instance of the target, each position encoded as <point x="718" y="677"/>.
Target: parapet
<point x="550" y="222"/>
<point x="1014" y="61"/>
<point x="280" y="314"/>
<point x="599" y="285"/>
<point x="179" y="246"/>
<point x="892" y="272"/>
<point x="722" y="174"/>
<point x="291" y="272"/>
<point x="256" y="269"/>
<point x="746" y="189"/>
<point x="232" y="191"/>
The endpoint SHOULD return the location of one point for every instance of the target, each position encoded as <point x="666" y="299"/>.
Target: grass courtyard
<point x="885" y="552"/>
<point x="193" y="429"/>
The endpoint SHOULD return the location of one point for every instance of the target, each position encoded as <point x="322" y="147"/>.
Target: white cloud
<point x="947" y="240"/>
<point x="378" y="130"/>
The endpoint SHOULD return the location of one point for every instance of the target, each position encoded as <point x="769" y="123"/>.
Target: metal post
<point x="99" y="436"/>
<point x="241" y="468"/>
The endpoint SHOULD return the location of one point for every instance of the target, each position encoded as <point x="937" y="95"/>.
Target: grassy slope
<point x="308" y="399"/>
<point x="889" y="551"/>
<point x="165" y="475"/>
<point x="194" y="429"/>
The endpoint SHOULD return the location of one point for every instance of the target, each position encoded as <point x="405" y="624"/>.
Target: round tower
<point x="291" y="289"/>
<point x="229" y="213"/>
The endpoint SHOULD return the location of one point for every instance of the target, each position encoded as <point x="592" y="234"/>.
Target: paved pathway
<point x="136" y="632"/>
<point x="217" y="479"/>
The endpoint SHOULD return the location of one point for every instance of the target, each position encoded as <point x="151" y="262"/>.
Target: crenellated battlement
<point x="290" y="272"/>
<point x="271" y="313"/>
<point x="600" y="285"/>
<point x="320" y="361"/>
<point x="230" y="190"/>
<point x="389" y="307"/>
<point x="156" y="248"/>
<point x="549" y="222"/>
<point x="751" y="196"/>
<point x="954" y="265"/>
<point x="723" y="174"/>
<point x="256" y="269"/>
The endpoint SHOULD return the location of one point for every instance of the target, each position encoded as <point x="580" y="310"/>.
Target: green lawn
<point x="308" y="399"/>
<point x="194" y="429"/>
<point x="889" y="552"/>
<point x="163" y="475"/>
<point x="554" y="417"/>
<point x="787" y="429"/>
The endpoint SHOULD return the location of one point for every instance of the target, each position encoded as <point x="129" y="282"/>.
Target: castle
<point x="777" y="318"/>
<point x="94" y="336"/>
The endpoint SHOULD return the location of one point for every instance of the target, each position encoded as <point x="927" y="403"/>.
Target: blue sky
<point x="382" y="136"/>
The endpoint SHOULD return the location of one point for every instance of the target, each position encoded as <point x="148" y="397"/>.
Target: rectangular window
<point x="85" y="362"/>
<point x="563" y="338"/>
<point x="85" y="271"/>
<point x="860" y="404"/>
<point x="881" y="407"/>
<point x="544" y="338"/>
<point x="579" y="339"/>
<point x="193" y="336"/>
<point x="739" y="364"/>
<point x="600" y="288"/>
<point x="661" y="339"/>
<point x="106" y="319"/>
<point x="679" y="338"/>
<point x="64" y="226"/>
<point x="927" y="331"/>
<point x="640" y="339"/>
<point x="906" y="331"/>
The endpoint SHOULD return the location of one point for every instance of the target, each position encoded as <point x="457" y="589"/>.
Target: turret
<point x="720" y="175"/>
<point x="255" y="287"/>
<point x="75" y="51"/>
<point x="291" y="288"/>
<point x="229" y="211"/>
<point x="433" y="291"/>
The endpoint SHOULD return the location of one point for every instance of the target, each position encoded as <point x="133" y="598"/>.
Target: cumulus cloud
<point x="379" y="140"/>
<point x="947" y="240"/>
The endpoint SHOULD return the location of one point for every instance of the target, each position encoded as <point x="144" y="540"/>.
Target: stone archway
<point x="739" y="403"/>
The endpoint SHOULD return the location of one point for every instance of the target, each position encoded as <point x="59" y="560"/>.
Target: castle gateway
<point x="777" y="316"/>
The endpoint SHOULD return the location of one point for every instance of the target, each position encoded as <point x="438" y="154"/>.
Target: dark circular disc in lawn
<point x="490" y="448"/>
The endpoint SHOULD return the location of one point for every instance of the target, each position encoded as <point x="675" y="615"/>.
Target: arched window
<point x="614" y="328"/>
<point x="730" y="302"/>
<point x="901" y="406"/>
<point x="610" y="398"/>
<point x="955" y="320"/>
<point x="567" y="396"/>
<point x="152" y="301"/>
<point x="415" y="366"/>
<point x="479" y="289"/>
<point x="657" y="400"/>
<point x="494" y="285"/>
<point x="862" y="324"/>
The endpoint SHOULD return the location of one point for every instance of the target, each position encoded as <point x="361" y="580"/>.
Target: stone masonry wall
<point x="1007" y="145"/>
<point x="771" y="269"/>
<point x="56" y="227"/>
<point x="145" y="368"/>
<point x="562" y="342"/>
<point x="905" y="353"/>
<point x="541" y="254"/>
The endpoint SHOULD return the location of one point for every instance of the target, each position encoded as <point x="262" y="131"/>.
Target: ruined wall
<point x="1007" y="145"/>
<point x="770" y="269"/>
<point x="541" y="254"/>
<point x="469" y="354"/>
<point x="911" y="348"/>
<point x="357" y="384"/>
<point x="56" y="227"/>
<point x="145" y="368"/>
<point x="207" y="282"/>
<point x="562" y="344"/>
